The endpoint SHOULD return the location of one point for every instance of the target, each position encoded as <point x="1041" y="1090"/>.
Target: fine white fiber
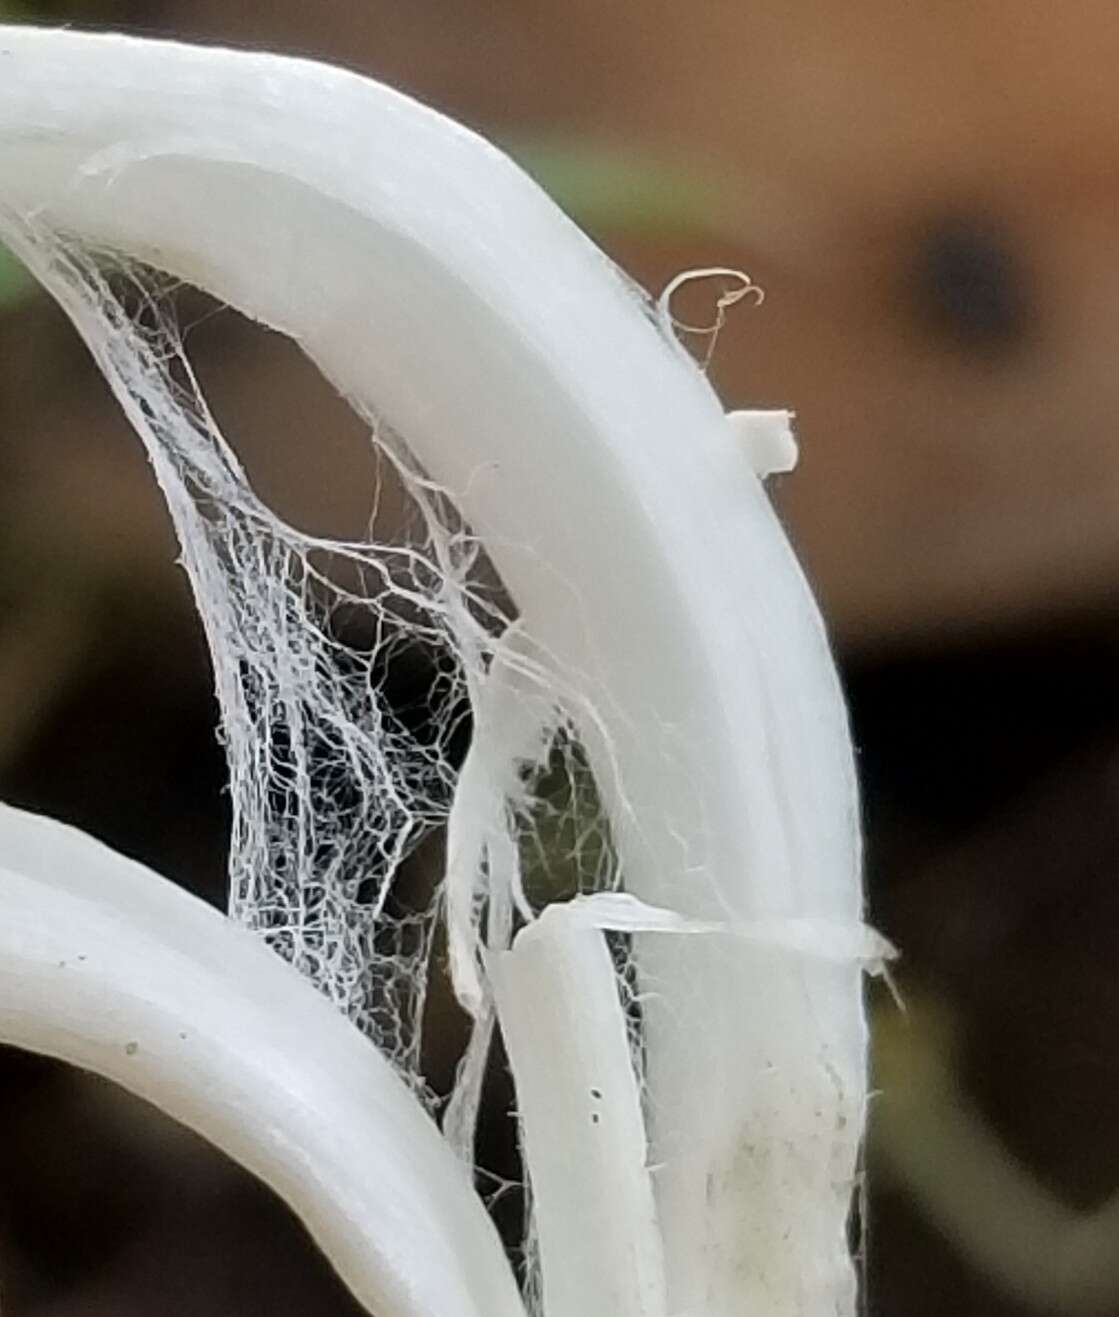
<point x="333" y="790"/>
<point x="628" y="704"/>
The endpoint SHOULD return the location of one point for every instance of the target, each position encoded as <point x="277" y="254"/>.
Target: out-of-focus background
<point x="929" y="195"/>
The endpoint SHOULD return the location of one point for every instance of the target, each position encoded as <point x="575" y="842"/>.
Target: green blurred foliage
<point x="618" y="187"/>
<point x="15" y="283"/>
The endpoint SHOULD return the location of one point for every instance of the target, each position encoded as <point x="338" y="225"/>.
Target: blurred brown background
<point x="928" y="194"/>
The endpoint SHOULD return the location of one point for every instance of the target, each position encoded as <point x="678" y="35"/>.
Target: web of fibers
<point x="336" y="789"/>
